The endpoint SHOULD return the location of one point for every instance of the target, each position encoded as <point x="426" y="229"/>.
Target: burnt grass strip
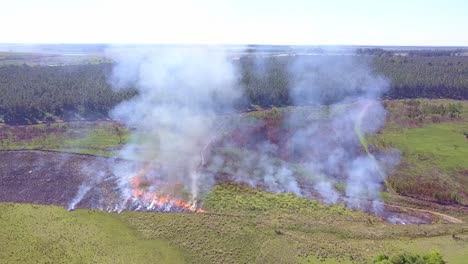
<point x="47" y="177"/>
<point x="54" y="178"/>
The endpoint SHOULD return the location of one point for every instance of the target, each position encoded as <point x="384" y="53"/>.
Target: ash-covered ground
<point x="54" y="178"/>
<point x="75" y="181"/>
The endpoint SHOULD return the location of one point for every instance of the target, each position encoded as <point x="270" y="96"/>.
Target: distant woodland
<point x="31" y="94"/>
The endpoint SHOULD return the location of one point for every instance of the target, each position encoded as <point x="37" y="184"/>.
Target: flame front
<point x="146" y="196"/>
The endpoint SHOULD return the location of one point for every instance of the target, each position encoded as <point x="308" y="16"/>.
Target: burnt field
<point x="74" y="181"/>
<point x="64" y="179"/>
<point x="47" y="177"/>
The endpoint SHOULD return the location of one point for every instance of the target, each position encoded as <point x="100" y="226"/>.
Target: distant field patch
<point x="100" y="138"/>
<point x="434" y="162"/>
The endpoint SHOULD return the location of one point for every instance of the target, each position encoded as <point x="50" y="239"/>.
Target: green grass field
<point x="434" y="149"/>
<point x="241" y="225"/>
<point x="444" y="144"/>
<point x="434" y="162"/>
<point x="49" y="234"/>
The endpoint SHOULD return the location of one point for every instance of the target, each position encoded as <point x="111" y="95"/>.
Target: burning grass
<point x="151" y="195"/>
<point x="56" y="182"/>
<point x="72" y="180"/>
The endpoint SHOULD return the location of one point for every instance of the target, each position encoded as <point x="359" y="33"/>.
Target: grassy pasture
<point x="444" y="144"/>
<point x="241" y="225"/>
<point x="434" y="164"/>
<point x="49" y="234"/>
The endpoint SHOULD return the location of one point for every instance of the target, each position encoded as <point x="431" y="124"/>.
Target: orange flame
<point x="154" y="199"/>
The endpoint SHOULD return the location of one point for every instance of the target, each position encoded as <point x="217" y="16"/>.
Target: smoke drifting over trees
<point x="183" y="95"/>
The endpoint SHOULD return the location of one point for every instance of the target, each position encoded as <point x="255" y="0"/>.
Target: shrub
<point x="433" y="257"/>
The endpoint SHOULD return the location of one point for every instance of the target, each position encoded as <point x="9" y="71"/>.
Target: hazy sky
<point x="358" y="22"/>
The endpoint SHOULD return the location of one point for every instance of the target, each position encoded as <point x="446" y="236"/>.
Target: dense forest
<point x="43" y="93"/>
<point x="267" y="83"/>
<point x="429" y="77"/>
<point x="29" y="94"/>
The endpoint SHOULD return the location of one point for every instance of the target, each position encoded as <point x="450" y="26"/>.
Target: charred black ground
<point x="46" y="177"/>
<point x="54" y="178"/>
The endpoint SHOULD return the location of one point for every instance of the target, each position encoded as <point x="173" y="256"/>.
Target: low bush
<point x="433" y="257"/>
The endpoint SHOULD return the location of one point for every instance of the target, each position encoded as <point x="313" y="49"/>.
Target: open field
<point x="49" y="59"/>
<point x="50" y="234"/>
<point x="240" y="226"/>
<point x="100" y="138"/>
<point x="434" y="162"/>
<point x="434" y="148"/>
<point x="233" y="132"/>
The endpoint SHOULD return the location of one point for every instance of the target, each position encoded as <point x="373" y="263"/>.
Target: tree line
<point x="29" y="94"/>
<point x="427" y="77"/>
<point x="412" y="52"/>
<point x="267" y="83"/>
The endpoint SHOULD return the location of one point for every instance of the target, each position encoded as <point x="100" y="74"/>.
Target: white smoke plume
<point x="82" y="191"/>
<point x="348" y="92"/>
<point x="94" y="174"/>
<point x="177" y="117"/>
<point x="181" y="92"/>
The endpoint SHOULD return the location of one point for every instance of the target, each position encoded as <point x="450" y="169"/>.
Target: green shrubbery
<point x="433" y="257"/>
<point x="233" y="197"/>
<point x="418" y="109"/>
<point x="415" y="112"/>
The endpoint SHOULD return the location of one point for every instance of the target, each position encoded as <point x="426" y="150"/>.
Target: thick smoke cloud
<point x="178" y="120"/>
<point x="181" y="92"/>
<point x="348" y="93"/>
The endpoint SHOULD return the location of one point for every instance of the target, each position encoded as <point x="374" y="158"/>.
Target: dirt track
<point x="444" y="217"/>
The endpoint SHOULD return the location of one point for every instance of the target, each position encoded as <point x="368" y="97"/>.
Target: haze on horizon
<point x="293" y="22"/>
